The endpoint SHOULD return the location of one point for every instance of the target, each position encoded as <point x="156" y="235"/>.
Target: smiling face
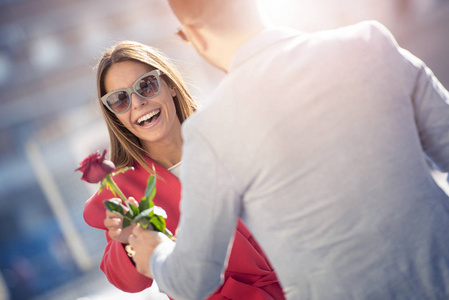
<point x="153" y="121"/>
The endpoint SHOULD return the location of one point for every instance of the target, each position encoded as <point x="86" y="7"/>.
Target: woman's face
<point x="161" y="123"/>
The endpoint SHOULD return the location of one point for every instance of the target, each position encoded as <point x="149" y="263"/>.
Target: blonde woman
<point x="144" y="102"/>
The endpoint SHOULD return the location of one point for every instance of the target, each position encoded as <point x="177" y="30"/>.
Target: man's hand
<point x="114" y="222"/>
<point x="144" y="242"/>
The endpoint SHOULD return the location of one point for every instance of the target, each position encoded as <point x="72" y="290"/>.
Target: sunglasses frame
<point x="132" y="90"/>
<point x="183" y="35"/>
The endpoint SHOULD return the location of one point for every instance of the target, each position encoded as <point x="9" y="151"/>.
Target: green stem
<point x="123" y="216"/>
<point x="168" y="233"/>
<point x="116" y="190"/>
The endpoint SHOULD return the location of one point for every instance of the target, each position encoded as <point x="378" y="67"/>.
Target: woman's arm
<point x="120" y="270"/>
<point x="115" y="264"/>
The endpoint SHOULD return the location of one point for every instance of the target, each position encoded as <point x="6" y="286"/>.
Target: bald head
<point x="188" y="10"/>
<point x="216" y="28"/>
<point x="214" y="13"/>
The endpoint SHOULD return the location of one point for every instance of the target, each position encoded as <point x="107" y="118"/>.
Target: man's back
<point x="317" y="141"/>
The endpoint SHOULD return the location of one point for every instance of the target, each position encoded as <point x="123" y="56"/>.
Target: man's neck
<point x="222" y="50"/>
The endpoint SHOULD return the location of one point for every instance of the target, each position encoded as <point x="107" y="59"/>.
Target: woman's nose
<point x="137" y="101"/>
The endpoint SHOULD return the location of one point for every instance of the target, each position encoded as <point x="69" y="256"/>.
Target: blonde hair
<point x="126" y="148"/>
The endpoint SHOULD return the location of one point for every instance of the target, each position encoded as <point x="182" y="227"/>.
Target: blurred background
<point x="50" y="121"/>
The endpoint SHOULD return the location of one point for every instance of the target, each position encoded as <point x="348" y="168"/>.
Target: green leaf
<point x="114" y="207"/>
<point x="144" y="204"/>
<point x="134" y="210"/>
<point x="144" y="222"/>
<point x="109" y="187"/>
<point x="150" y="192"/>
<point x="101" y="187"/>
<point x="151" y="185"/>
<point x="158" y="222"/>
<point x="146" y="213"/>
<point x="127" y="220"/>
<point x="155" y="216"/>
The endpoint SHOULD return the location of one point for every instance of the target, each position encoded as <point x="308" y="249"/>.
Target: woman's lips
<point x="148" y="118"/>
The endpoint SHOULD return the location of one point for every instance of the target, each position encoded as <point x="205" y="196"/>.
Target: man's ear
<point x="172" y="91"/>
<point x="196" y="37"/>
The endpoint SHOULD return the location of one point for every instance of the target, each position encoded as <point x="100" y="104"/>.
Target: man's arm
<point x="431" y="106"/>
<point x="191" y="268"/>
<point x="429" y="97"/>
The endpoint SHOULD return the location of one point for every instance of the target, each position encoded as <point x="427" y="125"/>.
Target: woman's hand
<point x="114" y="222"/>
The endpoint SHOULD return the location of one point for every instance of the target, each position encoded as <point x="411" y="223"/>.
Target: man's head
<point x="187" y="11"/>
<point x="216" y="28"/>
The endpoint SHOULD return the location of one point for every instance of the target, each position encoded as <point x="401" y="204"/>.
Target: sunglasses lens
<point x="119" y="101"/>
<point x="147" y="87"/>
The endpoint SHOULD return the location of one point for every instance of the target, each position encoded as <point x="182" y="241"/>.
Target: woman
<point x="144" y="103"/>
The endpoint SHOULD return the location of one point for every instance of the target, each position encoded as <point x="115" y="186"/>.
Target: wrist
<point x="127" y="253"/>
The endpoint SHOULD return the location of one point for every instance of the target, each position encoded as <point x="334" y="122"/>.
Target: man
<point x="320" y="143"/>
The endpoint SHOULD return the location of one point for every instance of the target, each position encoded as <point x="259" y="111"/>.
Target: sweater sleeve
<point x="429" y="97"/>
<point x="192" y="268"/>
<point x="431" y="104"/>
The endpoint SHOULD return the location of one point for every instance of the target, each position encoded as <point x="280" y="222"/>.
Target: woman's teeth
<point x="148" y="117"/>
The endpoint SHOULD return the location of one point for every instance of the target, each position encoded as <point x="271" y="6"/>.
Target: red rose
<point x="95" y="167"/>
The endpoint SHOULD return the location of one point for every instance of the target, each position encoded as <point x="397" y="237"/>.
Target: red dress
<point x="249" y="275"/>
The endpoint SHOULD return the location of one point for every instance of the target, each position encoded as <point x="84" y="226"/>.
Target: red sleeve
<point x="115" y="264"/>
<point x="249" y="274"/>
<point x="120" y="271"/>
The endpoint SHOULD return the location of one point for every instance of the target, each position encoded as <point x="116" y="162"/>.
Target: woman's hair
<point x="126" y="148"/>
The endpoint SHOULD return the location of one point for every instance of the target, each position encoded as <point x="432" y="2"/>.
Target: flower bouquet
<point x="96" y="168"/>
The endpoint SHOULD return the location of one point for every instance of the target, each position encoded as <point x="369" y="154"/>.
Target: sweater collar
<point x="259" y="42"/>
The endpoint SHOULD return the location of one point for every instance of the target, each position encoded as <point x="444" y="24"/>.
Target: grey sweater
<point x="319" y="142"/>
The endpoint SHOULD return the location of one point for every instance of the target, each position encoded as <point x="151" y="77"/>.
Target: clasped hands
<point x="142" y="241"/>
